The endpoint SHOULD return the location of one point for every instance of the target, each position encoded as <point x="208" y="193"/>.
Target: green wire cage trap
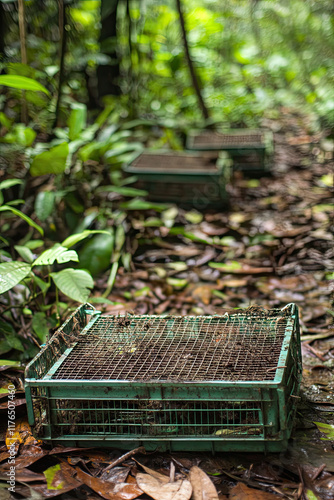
<point x="250" y="150"/>
<point x="182" y="177"/>
<point x="219" y="383"/>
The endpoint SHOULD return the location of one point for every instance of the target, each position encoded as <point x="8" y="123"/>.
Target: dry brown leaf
<point x="154" y="473"/>
<point x="179" y="490"/>
<point x="243" y="492"/>
<point x="203" y="488"/>
<point x="203" y="293"/>
<point x="107" y="490"/>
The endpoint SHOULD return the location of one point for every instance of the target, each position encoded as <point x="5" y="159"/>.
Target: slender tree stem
<point x="194" y="77"/>
<point x="24" y="59"/>
<point x="62" y="34"/>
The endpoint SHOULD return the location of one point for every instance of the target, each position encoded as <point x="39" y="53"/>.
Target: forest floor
<point x="276" y="241"/>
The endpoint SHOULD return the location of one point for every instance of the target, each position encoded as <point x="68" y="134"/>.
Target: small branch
<point x="62" y="50"/>
<point x="24" y="59"/>
<point x="121" y="459"/>
<point x="194" y="77"/>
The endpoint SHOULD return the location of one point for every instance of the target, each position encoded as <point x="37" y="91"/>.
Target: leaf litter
<point x="274" y="246"/>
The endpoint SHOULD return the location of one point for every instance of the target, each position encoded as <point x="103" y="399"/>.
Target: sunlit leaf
<point x="25" y="253"/>
<point x="74" y="283"/>
<point x="77" y="120"/>
<point x="50" y="162"/>
<point x="44" y="204"/>
<point x="8" y="208"/>
<point x="11" y="273"/>
<point x="56" y="253"/>
<point x="9" y="183"/>
<point x="75" y="238"/>
<point x="23" y="83"/>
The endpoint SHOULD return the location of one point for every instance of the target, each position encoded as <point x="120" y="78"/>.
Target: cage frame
<point x="148" y="179"/>
<point x="263" y="149"/>
<point x="277" y="398"/>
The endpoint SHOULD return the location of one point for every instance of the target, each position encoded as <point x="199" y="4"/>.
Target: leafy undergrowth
<point x="274" y="245"/>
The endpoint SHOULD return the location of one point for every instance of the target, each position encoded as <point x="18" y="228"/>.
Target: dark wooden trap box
<point x="251" y="150"/>
<point x="217" y="383"/>
<point x="182" y="177"/>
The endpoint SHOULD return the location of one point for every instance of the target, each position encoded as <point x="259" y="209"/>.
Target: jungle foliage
<point x="63" y="138"/>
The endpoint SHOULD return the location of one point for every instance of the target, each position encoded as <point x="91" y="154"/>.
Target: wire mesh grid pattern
<point x="156" y="418"/>
<point x="177" y="349"/>
<point x="173" y="161"/>
<point x="204" y="139"/>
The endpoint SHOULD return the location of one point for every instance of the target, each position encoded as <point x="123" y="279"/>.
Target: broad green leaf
<point x="326" y="429"/>
<point x="25" y="253"/>
<point x="77" y="120"/>
<point x="6" y="329"/>
<point x="23" y="83"/>
<point x="230" y="266"/>
<point x="40" y="326"/>
<point x="44" y="204"/>
<point x="11" y="273"/>
<point x="9" y="183"/>
<point x="23" y="135"/>
<point x="56" y="253"/>
<point x="33" y="244"/>
<point x="95" y="255"/>
<point x="124" y="191"/>
<point x="7" y="208"/>
<point x="50" y="162"/>
<point x="75" y="238"/>
<point x="74" y="283"/>
<point x="14" y="342"/>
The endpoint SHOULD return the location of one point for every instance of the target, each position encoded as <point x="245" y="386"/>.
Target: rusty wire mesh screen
<point x="203" y="348"/>
<point x="170" y="161"/>
<point x="156" y="418"/>
<point x="219" y="139"/>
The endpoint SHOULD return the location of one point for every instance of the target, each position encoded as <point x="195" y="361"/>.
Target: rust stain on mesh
<point x="217" y="139"/>
<point x="233" y="348"/>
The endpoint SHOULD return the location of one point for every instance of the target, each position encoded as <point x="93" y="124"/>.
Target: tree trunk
<point x="24" y="59"/>
<point x="108" y="74"/>
<point x="193" y="75"/>
<point x="62" y="50"/>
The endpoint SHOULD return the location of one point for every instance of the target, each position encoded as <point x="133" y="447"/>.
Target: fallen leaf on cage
<point x="178" y="490"/>
<point x="203" y="487"/>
